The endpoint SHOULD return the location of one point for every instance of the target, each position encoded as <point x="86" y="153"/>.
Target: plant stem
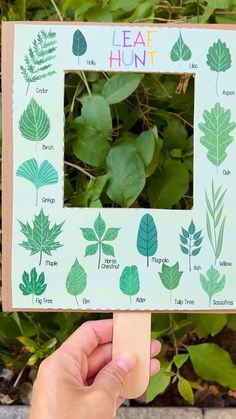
<point x="75" y="166"/>
<point x="147" y="261"/>
<point x="130" y="299"/>
<point x="217" y="78"/>
<point x="37" y="196"/>
<point x="77" y="302"/>
<point x="23" y="9"/>
<point x="40" y="259"/>
<point x="170" y="296"/>
<point x="33" y="298"/>
<point x="27" y="89"/>
<point x="99" y="253"/>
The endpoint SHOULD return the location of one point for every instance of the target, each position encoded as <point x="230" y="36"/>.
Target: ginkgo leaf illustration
<point x="34" y="123"/>
<point x="40" y="237"/>
<point x="180" y="50"/>
<point x="79" y="46"/>
<point x="76" y="280"/>
<point x="212" y="283"/>
<point x="32" y="284"/>
<point x="129" y="281"/>
<point x="39" y="176"/>
<point x="217" y="128"/>
<point x="219" y="59"/>
<point x="147" y="237"/>
<point x="170" y="277"/>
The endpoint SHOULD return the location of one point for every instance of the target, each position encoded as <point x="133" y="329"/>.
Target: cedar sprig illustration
<point x="38" y="60"/>
<point x="191" y="241"/>
<point x="33" y="284"/>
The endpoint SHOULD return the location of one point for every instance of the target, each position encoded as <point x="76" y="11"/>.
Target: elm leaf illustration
<point x="147" y="237"/>
<point x="76" y="280"/>
<point x="129" y="281"/>
<point x="170" y="277"/>
<point x="79" y="45"/>
<point x="219" y="59"/>
<point x="34" y="123"/>
<point x="33" y="284"/>
<point x="180" y="50"/>
<point x="212" y="283"/>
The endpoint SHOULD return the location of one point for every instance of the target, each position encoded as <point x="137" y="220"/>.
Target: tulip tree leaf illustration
<point x="39" y="176"/>
<point x="147" y="237"/>
<point x="180" y="50"/>
<point x="33" y="284"/>
<point x="190" y="242"/>
<point x="219" y="59"/>
<point x="217" y="128"/>
<point x="79" y="46"/>
<point x="34" y="123"/>
<point x="170" y="277"/>
<point x="76" y="280"/>
<point x="38" y="61"/>
<point x="212" y="283"/>
<point x="40" y="237"/>
<point x="129" y="281"/>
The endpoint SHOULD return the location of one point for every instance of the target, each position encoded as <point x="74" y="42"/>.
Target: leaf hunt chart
<point x="122" y="259"/>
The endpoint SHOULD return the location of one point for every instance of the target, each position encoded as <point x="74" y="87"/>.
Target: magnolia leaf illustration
<point x="40" y="237"/>
<point x="39" y="176"/>
<point x="212" y="283"/>
<point x="147" y="237"/>
<point x="217" y="128"/>
<point x="76" y="280"/>
<point x="129" y="281"/>
<point x="170" y="277"/>
<point x="34" y="123"/>
<point x="32" y="284"/>
<point x="190" y="242"/>
<point x="38" y="60"/>
<point x="79" y="46"/>
<point x="180" y="50"/>
<point x="219" y="59"/>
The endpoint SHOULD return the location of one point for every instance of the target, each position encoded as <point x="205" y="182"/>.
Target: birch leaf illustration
<point x="180" y="50"/>
<point x="129" y="281"/>
<point x="33" y="284"/>
<point x="34" y="123"/>
<point x="170" y="277"/>
<point x="79" y="46"/>
<point x="76" y="280"/>
<point x="216" y="129"/>
<point x="212" y="283"/>
<point x="219" y="59"/>
<point x="41" y="176"/>
<point x="147" y="237"/>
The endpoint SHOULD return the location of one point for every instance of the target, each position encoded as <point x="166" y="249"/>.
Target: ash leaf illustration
<point x="79" y="45"/>
<point x="76" y="280"/>
<point x="216" y="129"/>
<point x="170" y="277"/>
<point x="38" y="61"/>
<point x="40" y="237"/>
<point x="129" y="281"/>
<point x="39" y="176"/>
<point x="212" y="283"/>
<point x="32" y="284"/>
<point x="180" y="50"/>
<point x="190" y="242"/>
<point x="34" y="123"/>
<point x="147" y="242"/>
<point x="219" y="59"/>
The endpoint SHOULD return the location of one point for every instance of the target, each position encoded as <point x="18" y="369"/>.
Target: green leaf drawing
<point x="129" y="281"/>
<point x="212" y="283"/>
<point x="215" y="221"/>
<point x="147" y="237"/>
<point x="34" y="123"/>
<point x="39" y="176"/>
<point x="38" y="60"/>
<point x="99" y="235"/>
<point x="191" y="242"/>
<point x="32" y="284"/>
<point x="40" y="237"/>
<point x="217" y="128"/>
<point x="170" y="277"/>
<point x="219" y="59"/>
<point x="76" y="280"/>
<point x="79" y="45"/>
<point x="180" y="50"/>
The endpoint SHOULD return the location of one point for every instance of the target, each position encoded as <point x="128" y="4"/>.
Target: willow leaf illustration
<point x="217" y="128"/>
<point x="32" y="284"/>
<point x="180" y="50"/>
<point x="170" y="277"/>
<point x="38" y="60"/>
<point x="219" y="59"/>
<point x="76" y="280"/>
<point x="129" y="281"/>
<point x="147" y="237"/>
<point x="79" y="45"/>
<point x="212" y="283"/>
<point x="34" y="123"/>
<point x="39" y="176"/>
<point x="191" y="242"/>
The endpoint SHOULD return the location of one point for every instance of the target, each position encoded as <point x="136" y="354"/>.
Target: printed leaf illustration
<point x="40" y="237"/>
<point x="39" y="176"/>
<point x="32" y="284"/>
<point x="219" y="59"/>
<point x="76" y="280"/>
<point x="38" y="60"/>
<point x="170" y="277"/>
<point x="217" y="128"/>
<point x="99" y="235"/>
<point x="191" y="242"/>
<point x="129" y="281"/>
<point x="147" y="237"/>
<point x="34" y="123"/>
<point x="180" y="50"/>
<point x="212" y="283"/>
<point x="79" y="46"/>
<point x="215" y="220"/>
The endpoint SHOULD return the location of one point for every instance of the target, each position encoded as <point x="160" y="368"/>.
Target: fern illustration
<point x="38" y="60"/>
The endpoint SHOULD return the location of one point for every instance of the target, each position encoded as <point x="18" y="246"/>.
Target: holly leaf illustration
<point x="219" y="59"/>
<point x="212" y="283"/>
<point x="76" y="280"/>
<point x="180" y="50"/>
<point x="147" y="237"/>
<point x="34" y="123"/>
<point x="170" y="277"/>
<point x="79" y="45"/>
<point x="129" y="281"/>
<point x="32" y="284"/>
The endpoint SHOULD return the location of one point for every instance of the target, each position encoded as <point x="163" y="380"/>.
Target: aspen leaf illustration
<point x="79" y="46"/>
<point x="212" y="283"/>
<point x="129" y="281"/>
<point x="39" y="176"/>
<point x="34" y="123"/>
<point x="180" y="50"/>
<point x="76" y="280"/>
<point x="217" y="128"/>
<point x="33" y="284"/>
<point x="170" y="277"/>
<point x="219" y="59"/>
<point x="147" y="237"/>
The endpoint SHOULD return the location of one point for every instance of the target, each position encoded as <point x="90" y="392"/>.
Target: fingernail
<point x="126" y="361"/>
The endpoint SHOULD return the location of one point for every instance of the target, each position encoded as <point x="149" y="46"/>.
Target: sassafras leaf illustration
<point x="212" y="283"/>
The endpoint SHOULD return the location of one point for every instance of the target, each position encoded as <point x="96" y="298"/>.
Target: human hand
<point x="79" y="380"/>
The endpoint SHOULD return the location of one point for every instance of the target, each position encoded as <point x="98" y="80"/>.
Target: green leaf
<point x="111" y="234"/>
<point x="219" y="57"/>
<point x="212" y="284"/>
<point x="145" y="144"/>
<point x="183" y="239"/>
<point x="195" y="252"/>
<point x="79" y="46"/>
<point x="129" y="281"/>
<point x="185" y="233"/>
<point x="91" y="249"/>
<point x="99" y="226"/>
<point x="208" y="324"/>
<point x="231" y="323"/>
<point x="170" y="276"/>
<point x="185" y="390"/>
<point x="33" y="284"/>
<point x="191" y="228"/>
<point x="184" y="249"/>
<point x="180" y="50"/>
<point x="180" y="360"/>
<point x="34" y="123"/>
<point x="108" y="249"/>
<point x="147" y="242"/>
<point x="89" y="234"/>
<point x="159" y="382"/>
<point x="220" y="238"/>
<point x="120" y="86"/>
<point x="76" y="280"/>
